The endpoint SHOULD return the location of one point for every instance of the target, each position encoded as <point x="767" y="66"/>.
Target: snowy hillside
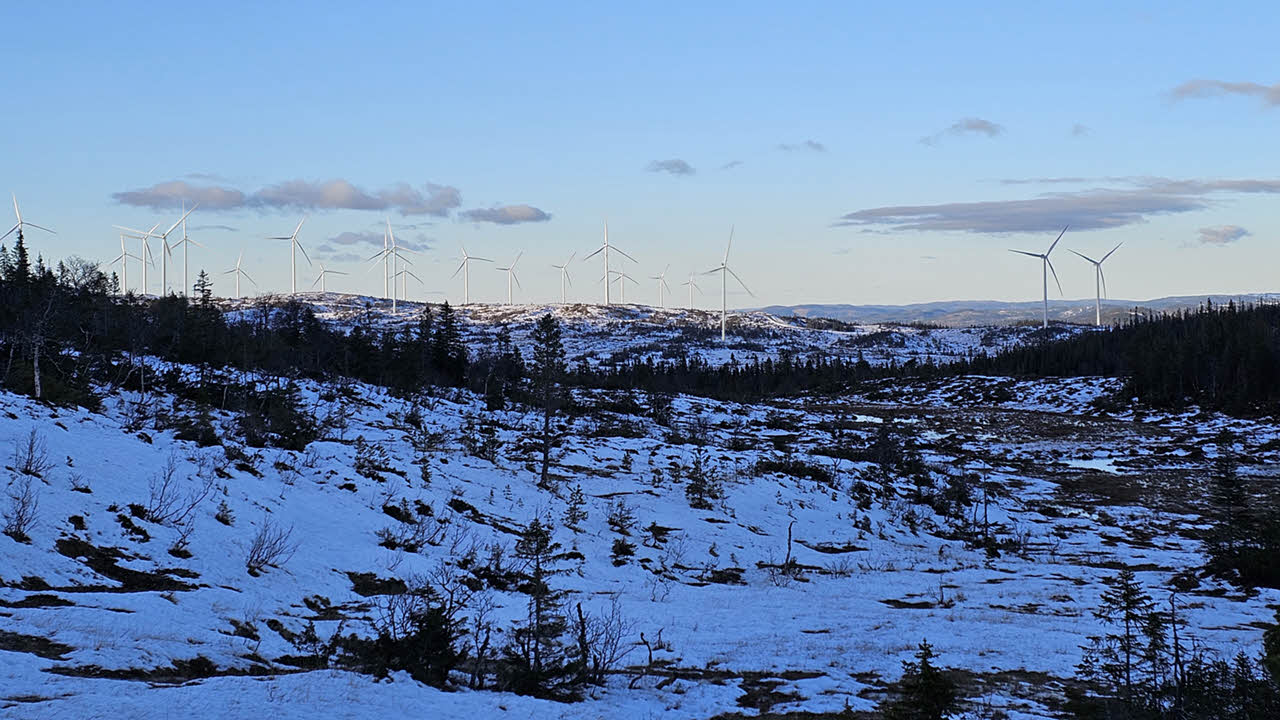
<point x="802" y="586"/>
<point x="600" y="334"/>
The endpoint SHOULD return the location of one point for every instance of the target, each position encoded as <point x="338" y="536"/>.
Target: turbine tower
<point x="465" y="269"/>
<point x="1046" y="268"/>
<point x="510" y="270"/>
<point x="404" y="274"/>
<point x="1099" y="282"/>
<point x="23" y="223"/>
<point x="725" y="271"/>
<point x="124" y="266"/>
<point x="323" y="273"/>
<point x="662" y="285"/>
<point x="144" y="250"/>
<point x="692" y="286"/>
<point x="166" y="252"/>
<point x="239" y="273"/>
<point x="294" y="247"/>
<point x="605" y="249"/>
<point x="186" y="243"/>
<point x="564" y="276"/>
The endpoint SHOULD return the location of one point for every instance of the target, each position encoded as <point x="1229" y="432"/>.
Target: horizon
<point x="864" y="157"/>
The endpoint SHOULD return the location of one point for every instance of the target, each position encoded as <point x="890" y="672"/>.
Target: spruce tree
<point x="547" y="371"/>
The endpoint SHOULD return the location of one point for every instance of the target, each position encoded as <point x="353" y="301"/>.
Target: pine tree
<point x="1118" y="657"/>
<point x="926" y="692"/>
<point x="536" y="660"/>
<point x="576" y="512"/>
<point x="204" y="289"/>
<point x="548" y="369"/>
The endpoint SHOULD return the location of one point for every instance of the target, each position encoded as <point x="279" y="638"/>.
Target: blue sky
<point x="866" y="155"/>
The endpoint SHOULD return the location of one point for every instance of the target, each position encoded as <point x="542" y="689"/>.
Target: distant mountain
<point x="962" y="313"/>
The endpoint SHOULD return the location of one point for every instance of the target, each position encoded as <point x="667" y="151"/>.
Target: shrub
<point x="271" y="546"/>
<point x="20" y="517"/>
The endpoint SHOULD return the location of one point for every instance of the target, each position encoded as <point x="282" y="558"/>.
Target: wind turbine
<point x="1099" y="282"/>
<point x="465" y="269"/>
<point x="22" y="223"/>
<point x="320" y="280"/>
<point x="239" y="273"/>
<point x="1045" y="269"/>
<point x="692" y="286"/>
<point x="186" y="244"/>
<point x="124" y="266"/>
<point x="511" y="275"/>
<point x="404" y="274"/>
<point x="144" y="250"/>
<point x="662" y="285"/>
<point x="622" y="279"/>
<point x="605" y="249"/>
<point x="725" y="271"/>
<point x="166" y="252"/>
<point x="294" y="247"/>
<point x="564" y="276"/>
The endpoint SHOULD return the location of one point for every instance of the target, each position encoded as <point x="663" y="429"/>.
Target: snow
<point x="877" y="580"/>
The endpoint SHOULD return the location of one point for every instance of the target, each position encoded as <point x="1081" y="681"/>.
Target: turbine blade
<point x="1117" y="247"/>
<point x="1102" y="276"/>
<point x="1055" y="274"/>
<point x="245" y="275"/>
<point x="623" y="254"/>
<point x="480" y="259"/>
<point x="39" y="227"/>
<point x="455" y="272"/>
<point x="1055" y="242"/>
<point x="517" y="279"/>
<point x="304" y="251"/>
<point x="15" y="227"/>
<point x="295" y="230"/>
<point x="1086" y="257"/>
<point x="18" y="212"/>
<point x="597" y="252"/>
<point x="180" y="220"/>
<point x="571" y="256"/>
<point x="744" y="285"/>
<point x="1029" y="254"/>
<point x="729" y="246"/>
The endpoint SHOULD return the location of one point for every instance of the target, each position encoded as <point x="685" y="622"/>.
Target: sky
<point x="860" y="154"/>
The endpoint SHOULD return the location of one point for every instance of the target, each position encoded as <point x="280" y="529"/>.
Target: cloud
<point x="1046" y="181"/>
<point x="1092" y="209"/>
<point x="369" y="239"/>
<point x="226" y="228"/>
<point x="731" y="165"/>
<point x="674" y="166"/>
<point x="344" y="258"/>
<point x="170" y="195"/>
<point x="1270" y="94"/>
<point x="506" y="214"/>
<point x="1080" y="130"/>
<point x="809" y="145"/>
<point x="1222" y="234"/>
<point x="338" y="194"/>
<point x="965" y="126"/>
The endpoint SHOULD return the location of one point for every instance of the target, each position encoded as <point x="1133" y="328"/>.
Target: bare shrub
<point x="20" y="517"/>
<point x="31" y="455"/>
<point x="272" y="546"/>
<point x="167" y="503"/>
<point x="600" y="641"/>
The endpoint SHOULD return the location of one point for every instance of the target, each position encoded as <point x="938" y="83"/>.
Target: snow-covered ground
<point x="600" y="334"/>
<point x="1073" y="493"/>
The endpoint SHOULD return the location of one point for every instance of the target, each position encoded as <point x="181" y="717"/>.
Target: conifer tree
<point x="548" y="369"/>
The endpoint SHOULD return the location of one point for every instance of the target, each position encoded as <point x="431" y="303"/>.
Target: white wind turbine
<point x="725" y="271"/>
<point x="124" y="266"/>
<point x="662" y="286"/>
<point x="1099" y="282"/>
<point x="404" y="274"/>
<point x="465" y="269"/>
<point x="186" y="243"/>
<point x="622" y="279"/>
<point x="323" y="274"/>
<point x="294" y="247"/>
<point x="144" y="251"/>
<point x="239" y="273"/>
<point x="1046" y="268"/>
<point x="23" y="223"/>
<point x="166" y="251"/>
<point x="564" y="276"/>
<point x="692" y="286"/>
<point x="510" y="270"/>
<point x="605" y="249"/>
<point x="393" y="253"/>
